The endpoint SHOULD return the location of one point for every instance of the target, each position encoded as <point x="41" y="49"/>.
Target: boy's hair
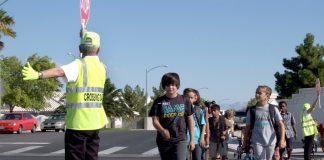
<point x="282" y="102"/>
<point x="214" y="107"/>
<point x="170" y="78"/>
<point x="268" y="90"/>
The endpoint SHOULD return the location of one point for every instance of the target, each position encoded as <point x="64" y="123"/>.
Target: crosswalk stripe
<point x="30" y="143"/>
<point x="61" y="151"/>
<point x="22" y="149"/>
<point x="111" y="150"/>
<point x="153" y="151"/>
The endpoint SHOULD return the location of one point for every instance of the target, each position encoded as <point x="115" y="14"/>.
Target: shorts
<point x="217" y="149"/>
<point x="289" y="143"/>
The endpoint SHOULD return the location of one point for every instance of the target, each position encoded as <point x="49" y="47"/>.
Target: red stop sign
<point x="84" y="12"/>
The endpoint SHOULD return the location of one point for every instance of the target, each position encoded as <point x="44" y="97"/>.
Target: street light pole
<point x="146" y="94"/>
<point x="202" y="88"/>
<point x="70" y="54"/>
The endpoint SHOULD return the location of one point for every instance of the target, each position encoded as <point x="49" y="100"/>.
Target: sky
<point x="224" y="48"/>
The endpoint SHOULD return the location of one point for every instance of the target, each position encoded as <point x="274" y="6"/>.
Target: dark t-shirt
<point x="216" y="128"/>
<point x="173" y="113"/>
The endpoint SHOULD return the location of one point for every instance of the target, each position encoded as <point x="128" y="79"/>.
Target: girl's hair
<point x="188" y="90"/>
<point x="199" y="102"/>
<point x="268" y="90"/>
<point x="170" y="78"/>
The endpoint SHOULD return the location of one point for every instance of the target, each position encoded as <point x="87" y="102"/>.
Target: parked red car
<point x="18" y="121"/>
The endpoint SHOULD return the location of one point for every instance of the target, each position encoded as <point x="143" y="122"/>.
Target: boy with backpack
<point x="217" y="129"/>
<point x="263" y="126"/>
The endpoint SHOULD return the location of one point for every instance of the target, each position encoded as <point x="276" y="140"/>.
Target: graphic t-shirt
<point x="173" y="113"/>
<point x="263" y="132"/>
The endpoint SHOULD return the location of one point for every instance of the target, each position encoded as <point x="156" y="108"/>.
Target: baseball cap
<point x="306" y="106"/>
<point x="90" y="38"/>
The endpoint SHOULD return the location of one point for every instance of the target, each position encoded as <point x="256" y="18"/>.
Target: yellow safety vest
<point x="84" y="97"/>
<point x="308" y="124"/>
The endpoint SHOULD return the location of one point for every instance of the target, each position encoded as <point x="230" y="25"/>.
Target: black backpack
<point x="272" y="113"/>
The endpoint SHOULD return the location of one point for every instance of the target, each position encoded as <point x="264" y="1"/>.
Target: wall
<point x="295" y="106"/>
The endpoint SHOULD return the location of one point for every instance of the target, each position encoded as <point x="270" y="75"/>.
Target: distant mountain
<point x="234" y="105"/>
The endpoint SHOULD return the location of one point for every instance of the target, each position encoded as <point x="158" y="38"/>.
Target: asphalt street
<point x="114" y="145"/>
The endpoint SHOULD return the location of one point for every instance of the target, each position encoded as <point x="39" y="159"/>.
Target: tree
<point x="114" y="103"/>
<point x="301" y="71"/>
<point x="135" y="98"/>
<point x="252" y="102"/>
<point x="6" y="22"/>
<point x="158" y="92"/>
<point x="26" y="94"/>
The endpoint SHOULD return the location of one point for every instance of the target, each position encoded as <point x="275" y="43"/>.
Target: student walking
<point x="199" y="124"/>
<point x="218" y="145"/>
<point x="171" y="116"/>
<point x="85" y="116"/>
<point x="261" y="122"/>
<point x="291" y="132"/>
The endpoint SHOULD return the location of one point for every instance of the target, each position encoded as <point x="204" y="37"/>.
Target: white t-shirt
<point x="71" y="71"/>
<point x="263" y="132"/>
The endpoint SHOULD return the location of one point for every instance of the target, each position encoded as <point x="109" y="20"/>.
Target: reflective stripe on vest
<point x="84" y="89"/>
<point x="84" y="105"/>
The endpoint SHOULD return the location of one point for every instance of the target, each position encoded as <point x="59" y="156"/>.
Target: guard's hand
<point x="82" y="31"/>
<point x="29" y="73"/>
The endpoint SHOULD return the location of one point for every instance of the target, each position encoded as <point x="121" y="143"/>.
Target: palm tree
<point x="6" y="22"/>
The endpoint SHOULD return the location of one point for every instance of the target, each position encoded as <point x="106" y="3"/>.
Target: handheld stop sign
<point x="318" y="91"/>
<point x="84" y="12"/>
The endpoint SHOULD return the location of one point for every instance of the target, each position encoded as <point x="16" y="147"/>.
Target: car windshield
<point x="240" y="117"/>
<point x="56" y="117"/>
<point x="12" y="117"/>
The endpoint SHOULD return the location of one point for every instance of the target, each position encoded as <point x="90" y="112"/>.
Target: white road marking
<point x="58" y="152"/>
<point x="153" y="151"/>
<point x="30" y="143"/>
<point x="111" y="150"/>
<point x="22" y="149"/>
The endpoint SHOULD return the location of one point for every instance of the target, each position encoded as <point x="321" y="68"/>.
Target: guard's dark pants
<point x="81" y="145"/>
<point x="308" y="141"/>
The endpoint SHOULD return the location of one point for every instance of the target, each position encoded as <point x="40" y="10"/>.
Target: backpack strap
<point x="272" y="112"/>
<point x="197" y="115"/>
<point x="252" y="116"/>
